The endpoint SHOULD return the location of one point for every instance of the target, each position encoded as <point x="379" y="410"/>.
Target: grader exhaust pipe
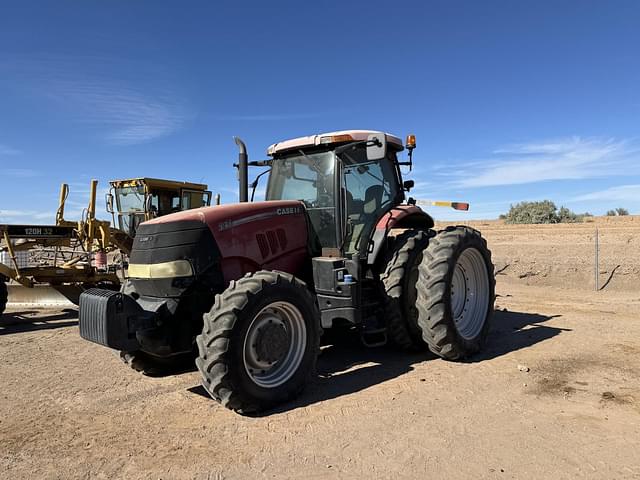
<point x="243" y="174"/>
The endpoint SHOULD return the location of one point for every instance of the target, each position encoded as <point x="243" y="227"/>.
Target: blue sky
<point x="509" y="100"/>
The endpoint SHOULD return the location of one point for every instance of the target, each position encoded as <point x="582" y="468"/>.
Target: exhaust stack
<point x="243" y="174"/>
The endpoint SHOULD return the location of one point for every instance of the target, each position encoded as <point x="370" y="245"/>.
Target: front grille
<point x="169" y="241"/>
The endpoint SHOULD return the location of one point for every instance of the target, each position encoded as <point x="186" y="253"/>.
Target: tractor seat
<point x="354" y="208"/>
<point x="363" y="220"/>
<point x="373" y="199"/>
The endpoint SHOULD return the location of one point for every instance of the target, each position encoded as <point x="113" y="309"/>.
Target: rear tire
<point x="399" y="280"/>
<point x="260" y="342"/>
<point x="456" y="293"/>
<point x="4" y="295"/>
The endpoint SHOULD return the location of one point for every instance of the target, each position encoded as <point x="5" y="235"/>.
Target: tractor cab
<point x="136" y="200"/>
<point x="349" y="182"/>
<point x="346" y="180"/>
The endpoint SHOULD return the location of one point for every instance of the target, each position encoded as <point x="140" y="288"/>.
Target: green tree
<point x="533" y="212"/>
<point x="567" y="216"/>
<point x="544" y="211"/>
<point x="622" y="211"/>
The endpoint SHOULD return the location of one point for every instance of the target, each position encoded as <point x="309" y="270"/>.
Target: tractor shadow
<point x="511" y="331"/>
<point x="346" y="366"/>
<point x="34" y="320"/>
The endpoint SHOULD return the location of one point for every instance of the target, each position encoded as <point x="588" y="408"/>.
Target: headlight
<point x="174" y="269"/>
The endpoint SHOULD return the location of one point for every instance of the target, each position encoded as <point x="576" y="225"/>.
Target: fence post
<point x="597" y="266"/>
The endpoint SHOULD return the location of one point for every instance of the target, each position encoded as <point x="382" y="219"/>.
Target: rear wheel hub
<point x="470" y="293"/>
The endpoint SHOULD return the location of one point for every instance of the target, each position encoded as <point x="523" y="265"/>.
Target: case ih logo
<point x="227" y="224"/>
<point x="288" y="210"/>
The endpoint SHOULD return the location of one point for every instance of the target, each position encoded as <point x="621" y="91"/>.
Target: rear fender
<point x="402" y="216"/>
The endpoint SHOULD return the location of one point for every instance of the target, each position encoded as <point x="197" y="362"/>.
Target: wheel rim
<point x="275" y="344"/>
<point x="470" y="293"/>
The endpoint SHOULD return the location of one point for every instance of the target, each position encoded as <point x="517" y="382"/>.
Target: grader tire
<point x="456" y="293"/>
<point x="399" y="279"/>
<point x="4" y="296"/>
<point x="260" y="342"/>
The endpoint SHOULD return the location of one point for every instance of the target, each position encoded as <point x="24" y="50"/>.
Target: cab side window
<point x="369" y="191"/>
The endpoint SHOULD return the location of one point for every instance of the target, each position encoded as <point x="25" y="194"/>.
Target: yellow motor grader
<point x="57" y="262"/>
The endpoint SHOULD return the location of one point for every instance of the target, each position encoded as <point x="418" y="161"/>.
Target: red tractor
<point x="253" y="285"/>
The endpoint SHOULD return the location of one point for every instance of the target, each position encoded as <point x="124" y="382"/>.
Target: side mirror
<point x="376" y="146"/>
<point x="109" y="200"/>
<point x="408" y="185"/>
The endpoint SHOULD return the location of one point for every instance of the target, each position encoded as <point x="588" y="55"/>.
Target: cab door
<point x="371" y="190"/>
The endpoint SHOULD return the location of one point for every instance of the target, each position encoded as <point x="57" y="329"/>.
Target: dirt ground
<point x="556" y="394"/>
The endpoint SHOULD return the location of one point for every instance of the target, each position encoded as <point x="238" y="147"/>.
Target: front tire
<point x="455" y="293"/>
<point x="260" y="342"/>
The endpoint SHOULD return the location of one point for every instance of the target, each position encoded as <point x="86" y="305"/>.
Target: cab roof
<point x="329" y="138"/>
<point x="157" y="183"/>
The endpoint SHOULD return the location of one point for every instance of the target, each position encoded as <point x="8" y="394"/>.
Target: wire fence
<point x="602" y="254"/>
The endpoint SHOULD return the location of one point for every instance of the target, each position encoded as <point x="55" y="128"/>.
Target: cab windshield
<point x="130" y="199"/>
<point x="310" y="178"/>
<point x="130" y="205"/>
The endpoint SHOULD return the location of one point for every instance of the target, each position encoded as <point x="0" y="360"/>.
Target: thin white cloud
<point x="126" y="106"/>
<point x="622" y="193"/>
<point x="268" y="117"/>
<point x="15" y="213"/>
<point x="75" y="209"/>
<point x="20" y="172"/>
<point x="126" y="115"/>
<point x="27" y="216"/>
<point x="7" y="150"/>
<point x="573" y="158"/>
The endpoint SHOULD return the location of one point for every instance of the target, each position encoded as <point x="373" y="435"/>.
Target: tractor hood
<point x="179" y="263"/>
<point x="223" y="217"/>
<point x="231" y="239"/>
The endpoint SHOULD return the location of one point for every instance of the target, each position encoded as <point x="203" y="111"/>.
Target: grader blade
<point x="43" y="296"/>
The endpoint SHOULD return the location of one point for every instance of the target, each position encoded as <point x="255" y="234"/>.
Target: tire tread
<point x="433" y="302"/>
<point x="402" y="257"/>
<point x="214" y="343"/>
